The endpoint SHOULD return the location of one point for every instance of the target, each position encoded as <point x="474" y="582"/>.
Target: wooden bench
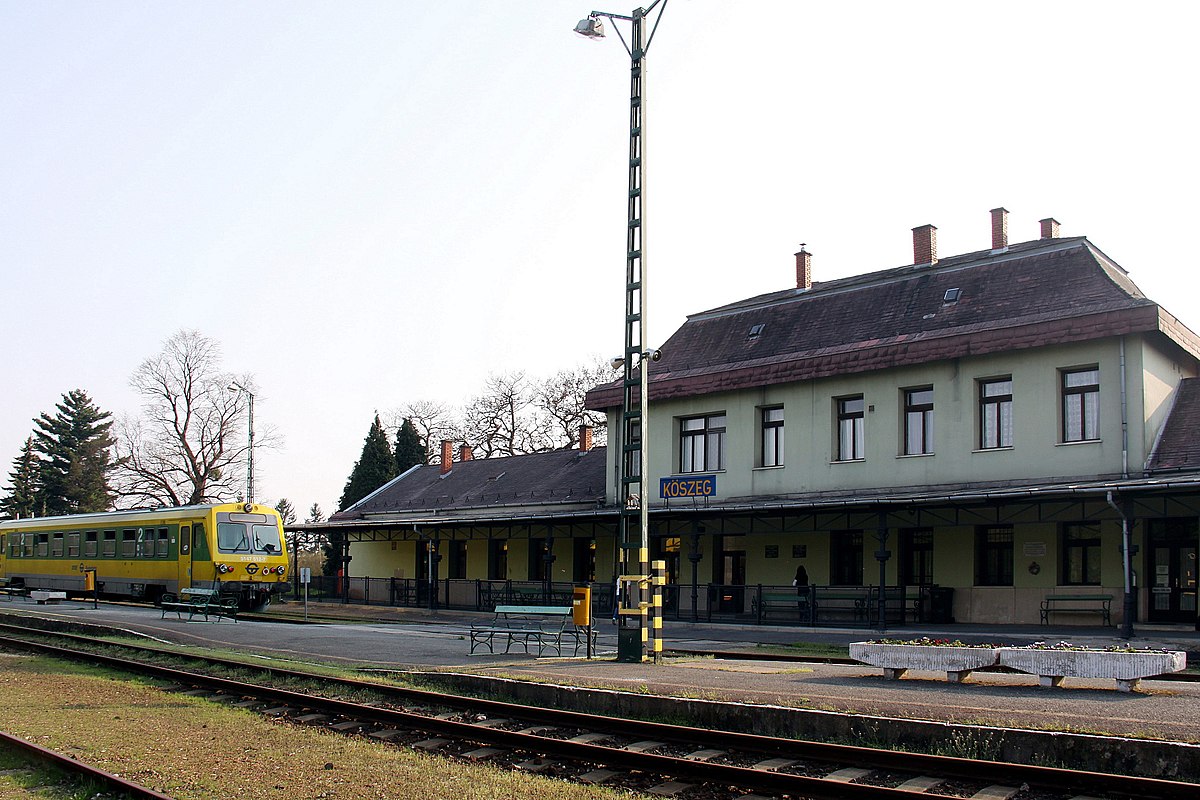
<point x="43" y="596"/>
<point x="541" y="626"/>
<point x="207" y="602"/>
<point x="1077" y="604"/>
<point x="797" y="605"/>
<point x="841" y="602"/>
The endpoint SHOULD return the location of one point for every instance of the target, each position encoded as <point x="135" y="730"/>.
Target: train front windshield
<point x="248" y="533"/>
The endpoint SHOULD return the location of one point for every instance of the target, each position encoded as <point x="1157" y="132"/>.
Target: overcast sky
<point x="373" y="203"/>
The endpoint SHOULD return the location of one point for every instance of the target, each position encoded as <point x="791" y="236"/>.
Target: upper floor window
<point x="995" y="413"/>
<point x="851" y="438"/>
<point x="1080" y="404"/>
<point x="633" y="449"/>
<point x="772" y="437"/>
<point x="702" y="444"/>
<point x="918" y="421"/>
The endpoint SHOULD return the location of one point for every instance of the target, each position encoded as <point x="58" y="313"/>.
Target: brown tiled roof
<point x="567" y="478"/>
<point x="1036" y="293"/>
<point x="1178" y="448"/>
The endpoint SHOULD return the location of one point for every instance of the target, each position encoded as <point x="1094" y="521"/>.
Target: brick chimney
<point x="924" y="245"/>
<point x="999" y="228"/>
<point x="447" y="455"/>
<point x="803" y="269"/>
<point x="585" y="438"/>
<point x="465" y="453"/>
<point x="1049" y="228"/>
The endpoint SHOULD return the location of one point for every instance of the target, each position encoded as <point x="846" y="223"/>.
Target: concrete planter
<point x="1127" y="669"/>
<point x="896" y="659"/>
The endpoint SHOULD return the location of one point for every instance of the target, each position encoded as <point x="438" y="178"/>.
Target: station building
<point x="977" y="433"/>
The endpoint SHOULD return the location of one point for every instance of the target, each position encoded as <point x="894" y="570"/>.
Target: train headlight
<point x="224" y="568"/>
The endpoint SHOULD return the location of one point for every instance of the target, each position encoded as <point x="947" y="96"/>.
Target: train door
<point x="3" y="555"/>
<point x="185" y="556"/>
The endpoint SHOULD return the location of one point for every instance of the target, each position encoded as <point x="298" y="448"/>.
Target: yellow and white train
<point x="236" y="548"/>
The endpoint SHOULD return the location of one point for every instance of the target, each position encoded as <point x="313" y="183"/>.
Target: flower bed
<point x="954" y="658"/>
<point x="1127" y="667"/>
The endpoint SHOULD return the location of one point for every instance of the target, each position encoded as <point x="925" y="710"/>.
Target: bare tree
<point x="189" y="444"/>
<point x="559" y="401"/>
<point x="501" y="421"/>
<point x="434" y="422"/>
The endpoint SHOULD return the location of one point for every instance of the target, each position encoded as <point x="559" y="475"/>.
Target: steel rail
<point x="1050" y="778"/>
<point x="75" y="767"/>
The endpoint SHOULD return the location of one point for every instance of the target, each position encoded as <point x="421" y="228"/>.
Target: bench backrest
<point x="1066" y="598"/>
<point x="199" y="592"/>
<point x="545" y="611"/>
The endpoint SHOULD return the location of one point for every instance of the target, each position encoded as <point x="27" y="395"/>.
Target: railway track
<point x="114" y="786"/>
<point x="667" y="759"/>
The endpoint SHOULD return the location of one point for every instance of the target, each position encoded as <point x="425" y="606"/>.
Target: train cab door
<point x="185" y="556"/>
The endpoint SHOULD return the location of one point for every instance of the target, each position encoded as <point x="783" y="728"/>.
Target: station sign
<point x="683" y="486"/>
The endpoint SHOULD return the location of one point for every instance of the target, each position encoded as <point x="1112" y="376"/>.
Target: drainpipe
<point x="1124" y="417"/>
<point x="1127" y="553"/>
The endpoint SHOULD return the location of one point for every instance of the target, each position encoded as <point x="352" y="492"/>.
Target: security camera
<point x="617" y="362"/>
<point x="655" y="354"/>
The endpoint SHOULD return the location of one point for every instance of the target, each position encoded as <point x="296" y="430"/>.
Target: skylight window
<point x="951" y="296"/>
<point x="756" y="330"/>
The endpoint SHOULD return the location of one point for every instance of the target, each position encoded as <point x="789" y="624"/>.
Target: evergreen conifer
<point x="75" y="460"/>
<point x="409" y="451"/>
<point x="22" y="498"/>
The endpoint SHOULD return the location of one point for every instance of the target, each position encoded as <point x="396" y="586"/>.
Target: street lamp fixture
<point x="634" y="468"/>
<point x="234" y="386"/>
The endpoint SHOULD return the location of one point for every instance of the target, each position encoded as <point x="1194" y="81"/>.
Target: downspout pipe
<point x="1127" y="606"/>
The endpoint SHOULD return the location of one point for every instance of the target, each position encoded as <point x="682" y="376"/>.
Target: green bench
<point x="798" y="605"/>
<point x="1077" y="604"/>
<point x="543" y="627"/>
<point x="207" y="602"/>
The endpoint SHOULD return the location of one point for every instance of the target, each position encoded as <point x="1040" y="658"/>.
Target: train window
<point x="43" y="545"/>
<point x="163" y="548"/>
<point x="128" y="543"/>
<point x="185" y="540"/>
<point x="266" y="539"/>
<point x="27" y="544"/>
<point x="73" y="544"/>
<point x="231" y="538"/>
<point x="108" y="547"/>
<point x="56" y="544"/>
<point x="91" y="546"/>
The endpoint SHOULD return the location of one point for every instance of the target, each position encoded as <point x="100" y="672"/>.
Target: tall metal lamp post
<point x="633" y="464"/>
<point x="234" y="386"/>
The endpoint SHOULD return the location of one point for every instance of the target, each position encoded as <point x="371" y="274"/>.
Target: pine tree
<point x="375" y="467"/>
<point x="409" y="451"/>
<point x="286" y="512"/>
<point x="22" y="498"/>
<point x="75" y="463"/>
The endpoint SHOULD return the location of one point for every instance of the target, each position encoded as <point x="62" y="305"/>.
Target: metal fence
<point x="840" y="606"/>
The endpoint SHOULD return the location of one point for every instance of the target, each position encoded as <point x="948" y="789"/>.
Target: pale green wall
<point x="809" y="424"/>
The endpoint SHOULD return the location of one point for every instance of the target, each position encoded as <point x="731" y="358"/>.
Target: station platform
<point x="753" y="667"/>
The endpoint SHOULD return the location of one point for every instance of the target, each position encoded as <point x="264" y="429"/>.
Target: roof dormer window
<point x="756" y="330"/>
<point x="951" y="296"/>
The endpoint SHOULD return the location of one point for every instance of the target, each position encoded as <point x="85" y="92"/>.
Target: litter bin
<point x="941" y="604"/>
<point x="629" y="645"/>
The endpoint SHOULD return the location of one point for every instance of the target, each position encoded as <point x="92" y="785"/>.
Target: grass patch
<point x="191" y="748"/>
<point x="807" y="649"/>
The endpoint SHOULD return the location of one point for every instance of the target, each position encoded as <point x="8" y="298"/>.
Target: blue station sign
<point x="679" y="486"/>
